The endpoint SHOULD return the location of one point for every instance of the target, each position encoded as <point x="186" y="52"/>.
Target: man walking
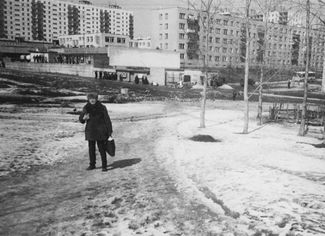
<point x="98" y="129"/>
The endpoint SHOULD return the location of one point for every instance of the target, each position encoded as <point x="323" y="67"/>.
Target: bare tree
<point x="317" y="11"/>
<point x="206" y="12"/>
<point x="265" y="8"/>
<point x="321" y="18"/>
<point x="247" y="57"/>
<point x="302" y="129"/>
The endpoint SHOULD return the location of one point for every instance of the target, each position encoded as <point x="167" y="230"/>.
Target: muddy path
<point x="135" y="197"/>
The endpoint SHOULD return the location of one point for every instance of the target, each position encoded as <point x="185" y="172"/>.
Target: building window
<point x="166" y="45"/>
<point x="181" y="26"/>
<point x="181" y="15"/>
<point x="166" y="16"/>
<point x="181" y="46"/>
<point x="224" y="41"/>
<point x="217" y="40"/>
<point x="181" y="55"/>
<point x="225" y="31"/>
<point x="160" y="36"/>
<point x="166" y="36"/>
<point x="181" y="36"/>
<point x="160" y="16"/>
<point x="166" y="25"/>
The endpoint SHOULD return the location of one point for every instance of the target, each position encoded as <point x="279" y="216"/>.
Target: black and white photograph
<point x="162" y="117"/>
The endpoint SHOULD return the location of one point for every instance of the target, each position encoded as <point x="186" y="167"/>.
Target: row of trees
<point x="208" y="9"/>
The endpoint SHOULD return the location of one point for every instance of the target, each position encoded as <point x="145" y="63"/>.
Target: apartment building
<point x="93" y="40"/>
<point x="46" y="20"/>
<point x="180" y="29"/>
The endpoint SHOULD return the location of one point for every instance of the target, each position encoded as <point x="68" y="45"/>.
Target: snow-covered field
<point x="270" y="179"/>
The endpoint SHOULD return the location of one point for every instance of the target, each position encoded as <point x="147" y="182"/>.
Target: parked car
<point x="299" y="76"/>
<point x="250" y="82"/>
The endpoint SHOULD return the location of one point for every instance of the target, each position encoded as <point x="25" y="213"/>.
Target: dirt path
<point x="136" y="196"/>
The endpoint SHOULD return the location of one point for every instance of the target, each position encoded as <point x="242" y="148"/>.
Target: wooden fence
<point x="315" y="117"/>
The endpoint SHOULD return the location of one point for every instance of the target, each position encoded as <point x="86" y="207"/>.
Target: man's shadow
<point x="123" y="163"/>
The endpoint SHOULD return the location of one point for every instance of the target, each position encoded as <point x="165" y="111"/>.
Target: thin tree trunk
<point x="302" y="129"/>
<point x="323" y="80"/>
<point x="205" y="65"/>
<point x="260" y="102"/>
<point x="203" y="103"/>
<point x="246" y="111"/>
<point x="260" y="94"/>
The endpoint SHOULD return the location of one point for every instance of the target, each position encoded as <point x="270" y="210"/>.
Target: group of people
<point x="69" y="59"/>
<point x="40" y="59"/>
<point x="106" y="75"/>
<point x="144" y="80"/>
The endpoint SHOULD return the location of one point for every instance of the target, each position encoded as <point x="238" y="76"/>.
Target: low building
<point x="93" y="40"/>
<point x="157" y="61"/>
<point x="17" y="50"/>
<point x="141" y="43"/>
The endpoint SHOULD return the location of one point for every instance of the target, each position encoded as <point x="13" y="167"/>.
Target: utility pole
<point x="302" y="129"/>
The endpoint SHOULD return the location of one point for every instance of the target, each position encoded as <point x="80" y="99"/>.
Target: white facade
<point x="141" y="43"/>
<point x="285" y="44"/>
<point x="95" y="40"/>
<point x="174" y="28"/>
<point x="46" y="20"/>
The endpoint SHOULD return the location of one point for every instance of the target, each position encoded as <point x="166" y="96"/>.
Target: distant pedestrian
<point x="234" y="94"/>
<point x="289" y="83"/>
<point x="136" y="80"/>
<point x="145" y="79"/>
<point x="98" y="129"/>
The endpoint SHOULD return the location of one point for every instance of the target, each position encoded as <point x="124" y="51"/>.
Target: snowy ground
<point x="270" y="179"/>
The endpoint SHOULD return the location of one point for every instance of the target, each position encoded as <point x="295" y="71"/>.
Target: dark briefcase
<point x="110" y="147"/>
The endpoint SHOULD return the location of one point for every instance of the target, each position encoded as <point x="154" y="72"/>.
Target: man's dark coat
<point x="99" y="126"/>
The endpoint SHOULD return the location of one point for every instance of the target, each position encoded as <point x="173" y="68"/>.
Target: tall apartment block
<point x="280" y="45"/>
<point x="46" y="20"/>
